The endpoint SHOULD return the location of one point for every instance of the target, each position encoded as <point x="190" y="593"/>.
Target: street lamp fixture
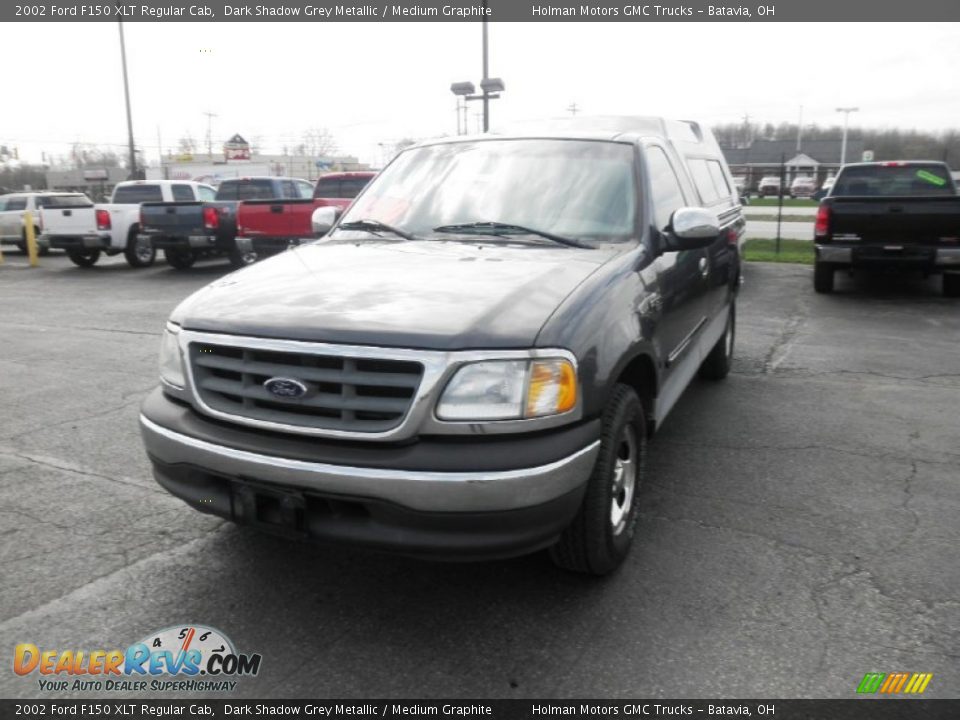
<point x="846" y="119"/>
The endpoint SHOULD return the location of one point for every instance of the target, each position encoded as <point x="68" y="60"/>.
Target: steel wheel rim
<point x="144" y="250"/>
<point x="624" y="483"/>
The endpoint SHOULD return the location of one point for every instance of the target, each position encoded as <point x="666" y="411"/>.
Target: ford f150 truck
<point x="470" y="362"/>
<point x="113" y="228"/>
<point x="15" y="206"/>
<point x="186" y="231"/>
<point x="898" y="216"/>
<point x="266" y="227"/>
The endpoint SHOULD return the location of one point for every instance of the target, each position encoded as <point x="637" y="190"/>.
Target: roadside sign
<point x="868" y="156"/>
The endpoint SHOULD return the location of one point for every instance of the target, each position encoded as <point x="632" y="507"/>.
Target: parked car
<point x="802" y="187"/>
<point x="742" y="187"/>
<point x="898" y="216"/>
<point x="769" y="185"/>
<point x="467" y="367"/>
<point x="186" y="231"/>
<point x="266" y="227"/>
<point x="88" y="231"/>
<point x="824" y="189"/>
<point x="15" y="206"/>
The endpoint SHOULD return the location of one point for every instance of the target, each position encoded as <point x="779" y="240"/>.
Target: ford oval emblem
<point x="285" y="387"/>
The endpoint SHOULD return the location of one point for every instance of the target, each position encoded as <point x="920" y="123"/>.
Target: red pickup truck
<point x="266" y="227"/>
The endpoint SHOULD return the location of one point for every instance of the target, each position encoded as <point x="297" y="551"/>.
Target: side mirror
<point x="692" y="229"/>
<point x="323" y="219"/>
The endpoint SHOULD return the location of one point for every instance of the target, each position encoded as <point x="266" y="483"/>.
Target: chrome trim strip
<point x="438" y="367"/>
<point x="679" y="349"/>
<point x="423" y="490"/>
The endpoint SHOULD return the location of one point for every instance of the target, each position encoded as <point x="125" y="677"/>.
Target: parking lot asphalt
<point x="799" y="523"/>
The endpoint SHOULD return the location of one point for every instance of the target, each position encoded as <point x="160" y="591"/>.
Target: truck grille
<point x="343" y="393"/>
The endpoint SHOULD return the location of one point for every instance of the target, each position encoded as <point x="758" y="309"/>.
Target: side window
<point x="719" y="179"/>
<point x="19" y="203"/>
<point x="664" y="186"/>
<point x="306" y="190"/>
<point x="227" y="191"/>
<point x="703" y="180"/>
<point x="206" y="194"/>
<point x="182" y="193"/>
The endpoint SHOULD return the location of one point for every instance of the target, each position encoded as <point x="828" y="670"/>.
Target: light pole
<point x="491" y="87"/>
<point x="846" y="120"/>
<point x="126" y="94"/>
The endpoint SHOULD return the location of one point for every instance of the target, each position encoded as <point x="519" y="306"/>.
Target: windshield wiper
<point x="376" y="226"/>
<point x="498" y="228"/>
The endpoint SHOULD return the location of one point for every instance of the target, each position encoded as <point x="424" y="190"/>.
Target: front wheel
<point x="823" y="274"/>
<point x="84" y="258"/>
<point x="139" y="251"/>
<point x="179" y="259"/>
<point x="599" y="538"/>
<point x="716" y="366"/>
<point x="242" y="257"/>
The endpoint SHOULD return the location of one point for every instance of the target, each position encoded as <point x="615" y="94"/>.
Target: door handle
<point x="704" y="267"/>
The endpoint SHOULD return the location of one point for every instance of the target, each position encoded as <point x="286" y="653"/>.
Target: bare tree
<point x="187" y="145"/>
<point x="318" y="142"/>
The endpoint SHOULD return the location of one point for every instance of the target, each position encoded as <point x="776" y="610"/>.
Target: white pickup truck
<point x="114" y="227"/>
<point x="13" y="208"/>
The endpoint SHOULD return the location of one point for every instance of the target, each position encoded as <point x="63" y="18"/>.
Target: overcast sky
<point x="372" y="83"/>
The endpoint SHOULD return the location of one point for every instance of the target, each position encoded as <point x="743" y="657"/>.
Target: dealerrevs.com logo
<point x="182" y="658"/>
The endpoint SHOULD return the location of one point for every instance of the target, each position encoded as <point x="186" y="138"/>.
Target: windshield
<point x="569" y="188"/>
<point x="894" y="180"/>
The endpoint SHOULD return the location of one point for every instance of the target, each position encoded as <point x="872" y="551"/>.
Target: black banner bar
<point x="858" y="709"/>
<point x="474" y="10"/>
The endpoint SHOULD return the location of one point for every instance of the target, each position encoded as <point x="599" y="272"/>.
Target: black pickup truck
<point x="470" y="362"/>
<point x="898" y="216"/>
<point x="186" y="231"/>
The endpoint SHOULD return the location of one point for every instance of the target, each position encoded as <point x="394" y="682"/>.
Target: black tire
<point x="593" y="543"/>
<point x="951" y="285"/>
<point x="239" y="258"/>
<point x="179" y="259"/>
<point x="41" y="249"/>
<point x="139" y="253"/>
<point x="823" y="277"/>
<point x="84" y="258"/>
<point x="716" y="366"/>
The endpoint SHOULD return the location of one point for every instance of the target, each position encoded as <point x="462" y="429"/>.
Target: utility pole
<point x="126" y="94"/>
<point x="846" y="119"/>
<point x="486" y="95"/>
<point x="210" y="117"/>
<point x="572" y="108"/>
<point x="799" y="129"/>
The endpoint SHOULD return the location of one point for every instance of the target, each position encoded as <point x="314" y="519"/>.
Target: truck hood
<point x="421" y="294"/>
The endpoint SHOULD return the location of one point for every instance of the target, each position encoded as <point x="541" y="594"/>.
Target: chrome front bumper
<point x="462" y="491"/>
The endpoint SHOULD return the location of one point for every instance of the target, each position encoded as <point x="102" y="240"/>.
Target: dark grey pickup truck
<point x="186" y="231"/>
<point x="470" y="363"/>
<point x="901" y="216"/>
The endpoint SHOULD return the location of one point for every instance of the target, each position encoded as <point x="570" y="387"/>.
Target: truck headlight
<point x="509" y="390"/>
<point x="171" y="362"/>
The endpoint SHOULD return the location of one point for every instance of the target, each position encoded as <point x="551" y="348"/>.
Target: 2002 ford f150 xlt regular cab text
<point x="470" y="363"/>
